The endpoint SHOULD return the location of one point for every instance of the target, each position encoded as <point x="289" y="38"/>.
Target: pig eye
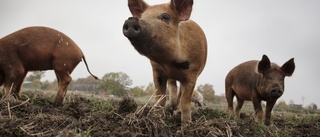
<point x="282" y="79"/>
<point x="268" y="78"/>
<point x="164" y="17"/>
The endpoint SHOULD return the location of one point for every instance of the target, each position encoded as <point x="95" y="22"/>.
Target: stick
<point x="21" y="103"/>
<point x="9" y="110"/>
<point x="157" y="103"/>
<point x="145" y="105"/>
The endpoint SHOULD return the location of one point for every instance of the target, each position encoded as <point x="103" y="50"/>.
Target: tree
<point x="207" y="91"/>
<point x="291" y="102"/>
<point x="35" y="79"/>
<point x="45" y="85"/>
<point x="36" y="75"/>
<point x="150" y="89"/>
<point x="116" y="83"/>
<point x="85" y="84"/>
<point x="137" y="91"/>
<point x="282" y="104"/>
<point x="88" y="80"/>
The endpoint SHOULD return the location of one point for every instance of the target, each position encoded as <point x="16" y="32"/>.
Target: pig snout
<point x="276" y="92"/>
<point x="131" y="27"/>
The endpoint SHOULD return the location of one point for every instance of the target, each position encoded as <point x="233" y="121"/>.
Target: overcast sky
<point x="236" y="31"/>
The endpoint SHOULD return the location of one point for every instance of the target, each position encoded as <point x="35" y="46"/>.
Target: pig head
<point x="197" y="98"/>
<point x="175" y="45"/>
<point x="257" y="81"/>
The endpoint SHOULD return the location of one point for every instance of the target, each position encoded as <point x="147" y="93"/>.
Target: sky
<point x="236" y="31"/>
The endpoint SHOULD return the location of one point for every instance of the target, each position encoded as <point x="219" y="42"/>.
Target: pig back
<point x="37" y="47"/>
<point x="243" y="79"/>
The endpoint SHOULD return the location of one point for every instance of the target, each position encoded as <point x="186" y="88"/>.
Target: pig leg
<point x="64" y="79"/>
<point x="239" y="106"/>
<point x="229" y="97"/>
<point x="179" y="96"/>
<point x="19" y="81"/>
<point x="185" y="101"/>
<point x="258" y="109"/>
<point x="177" y="110"/>
<point x="13" y="81"/>
<point x="269" y="107"/>
<point x="160" y="84"/>
<point x="173" y="97"/>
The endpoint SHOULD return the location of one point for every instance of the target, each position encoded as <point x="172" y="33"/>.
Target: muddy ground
<point x="83" y="115"/>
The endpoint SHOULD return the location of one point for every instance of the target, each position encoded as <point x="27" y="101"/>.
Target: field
<point x="90" y="115"/>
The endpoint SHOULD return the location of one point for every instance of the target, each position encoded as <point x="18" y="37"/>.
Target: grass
<point x="106" y="108"/>
<point x="91" y="115"/>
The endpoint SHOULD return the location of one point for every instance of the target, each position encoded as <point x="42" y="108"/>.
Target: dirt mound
<point x="82" y="115"/>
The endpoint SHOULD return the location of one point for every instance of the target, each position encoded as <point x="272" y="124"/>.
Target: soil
<point x="82" y="115"/>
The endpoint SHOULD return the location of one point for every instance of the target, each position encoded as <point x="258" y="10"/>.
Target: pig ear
<point x="264" y="64"/>
<point x="137" y="7"/>
<point x="288" y="67"/>
<point x="183" y="7"/>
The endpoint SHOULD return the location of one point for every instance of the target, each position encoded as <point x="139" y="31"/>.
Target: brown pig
<point x="256" y="81"/>
<point x="175" y="45"/>
<point x="38" y="48"/>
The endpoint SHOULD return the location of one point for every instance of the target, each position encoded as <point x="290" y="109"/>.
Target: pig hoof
<point x="176" y="112"/>
<point x="243" y="116"/>
<point x="56" y="104"/>
<point x="184" y="125"/>
<point x="171" y="108"/>
<point x="179" y="133"/>
<point x="16" y="96"/>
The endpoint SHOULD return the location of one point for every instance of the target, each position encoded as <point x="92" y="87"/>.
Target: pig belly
<point x="37" y="62"/>
<point x="243" y="92"/>
<point x="38" y="65"/>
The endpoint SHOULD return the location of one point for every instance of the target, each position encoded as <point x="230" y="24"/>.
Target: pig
<point x="175" y="45"/>
<point x="197" y="98"/>
<point x="257" y="81"/>
<point x="38" y="48"/>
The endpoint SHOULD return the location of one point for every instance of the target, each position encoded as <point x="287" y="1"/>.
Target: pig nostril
<point x="125" y="27"/>
<point x="136" y="27"/>
<point x="276" y="92"/>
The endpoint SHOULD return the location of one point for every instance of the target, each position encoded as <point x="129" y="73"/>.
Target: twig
<point x="145" y="105"/>
<point x="164" y="123"/>
<point x="11" y="88"/>
<point x="23" y="128"/>
<point x="228" y="130"/>
<point x="7" y="94"/>
<point x="9" y="110"/>
<point x="118" y="115"/>
<point x="157" y="103"/>
<point x="21" y="103"/>
<point x="32" y="126"/>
